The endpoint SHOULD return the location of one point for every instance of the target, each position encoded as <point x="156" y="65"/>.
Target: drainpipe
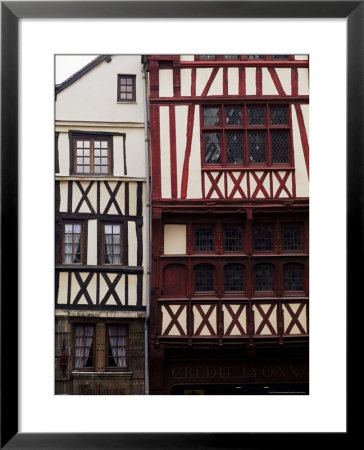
<point x="147" y="228"/>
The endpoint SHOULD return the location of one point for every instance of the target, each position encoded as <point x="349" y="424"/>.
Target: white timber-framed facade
<point x="100" y="230"/>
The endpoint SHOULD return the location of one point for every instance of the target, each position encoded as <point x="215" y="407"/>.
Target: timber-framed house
<point x="100" y="192"/>
<point x="229" y="166"/>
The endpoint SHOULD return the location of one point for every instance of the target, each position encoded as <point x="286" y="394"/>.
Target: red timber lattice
<point x="248" y="184"/>
<point x="174" y="166"/>
<point x="228" y="319"/>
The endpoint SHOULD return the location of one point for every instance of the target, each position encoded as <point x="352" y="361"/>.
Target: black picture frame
<point x="11" y="12"/>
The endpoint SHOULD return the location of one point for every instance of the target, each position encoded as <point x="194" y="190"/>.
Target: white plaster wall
<point x="251" y="85"/>
<point x="284" y="75"/>
<point x="202" y="77"/>
<point x="132" y="289"/>
<point x="303" y="82"/>
<point x="92" y="242"/>
<point x="181" y="138"/>
<point x="166" y="320"/>
<point x="233" y="81"/>
<point x="175" y="239"/>
<point x="63" y="187"/>
<point x="187" y="57"/>
<point x="165" y="151"/>
<point x="118" y="154"/>
<point x="287" y="318"/>
<point x="93" y="97"/>
<point x="186" y="82"/>
<point x="132" y="244"/>
<point x="268" y="84"/>
<point x="301" y="57"/>
<point x="302" y="186"/>
<point x="63" y="154"/>
<point x="135" y="152"/>
<point x="194" y="188"/>
<point x="62" y="288"/>
<point x="166" y="83"/>
<point x="216" y="87"/>
<point x="227" y="320"/>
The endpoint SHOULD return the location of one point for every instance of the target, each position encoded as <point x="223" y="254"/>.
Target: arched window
<point x="234" y="277"/>
<point x="204" y="277"/>
<point x="263" y="274"/>
<point x="293" y="277"/>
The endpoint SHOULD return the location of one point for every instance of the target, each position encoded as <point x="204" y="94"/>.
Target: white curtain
<point x="83" y="344"/>
<point x="117" y="337"/>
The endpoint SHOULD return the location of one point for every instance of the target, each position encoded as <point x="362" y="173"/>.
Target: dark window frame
<point x="204" y="225"/>
<point x="82" y="242"/>
<point x="126" y="76"/>
<point x="108" y="367"/>
<point x="91" y="137"/>
<point x="91" y="368"/>
<point x="103" y="242"/>
<point x="260" y="292"/>
<point x="268" y="129"/>
<point x="214" y="280"/>
<point x="243" y="271"/>
<point x="302" y="267"/>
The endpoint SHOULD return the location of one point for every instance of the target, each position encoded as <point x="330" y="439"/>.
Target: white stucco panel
<point x="165" y="151"/>
<point x="302" y="186"/>
<point x="175" y="238"/>
<point x="258" y="319"/>
<point x="251" y="84"/>
<point x="227" y="320"/>
<point x="198" y="319"/>
<point x="303" y="82"/>
<point x="194" y="188"/>
<point x="166" y="83"/>
<point x="92" y="242"/>
<point x="233" y="81"/>
<point x="62" y="288"/>
<point x="269" y="87"/>
<point x="132" y="289"/>
<point x="181" y="138"/>
<point x="202" y="77"/>
<point x="216" y="87"/>
<point x="186" y="82"/>
<point x="63" y="154"/>
<point x="118" y="154"/>
<point x="132" y="243"/>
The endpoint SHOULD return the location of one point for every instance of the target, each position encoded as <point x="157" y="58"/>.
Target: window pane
<point x="263" y="277"/>
<point x="108" y="229"/>
<point x="234" y="116"/>
<point x="211" y="116"/>
<point x="293" y="277"/>
<point x="97" y="152"/>
<point x="263" y="238"/>
<point x="116" y="346"/>
<point x="68" y="228"/>
<point x="79" y="169"/>
<point x="256" y="115"/>
<point x="231" y="56"/>
<point x="207" y="57"/>
<point x="83" y="351"/>
<point x="212" y="148"/>
<point x="204" y="277"/>
<point x="233" y="239"/>
<point x="279" y="147"/>
<point x="116" y="229"/>
<point x="278" y="115"/>
<point x="103" y="144"/>
<point x="97" y="144"/>
<point x="204" y="239"/>
<point x="280" y="56"/>
<point x="255" y="56"/>
<point x="86" y="144"/>
<point x="292" y="238"/>
<point x="233" y="277"/>
<point x="234" y="147"/>
<point x="257" y="148"/>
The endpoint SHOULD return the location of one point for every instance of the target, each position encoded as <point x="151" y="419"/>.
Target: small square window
<point x="126" y="88"/>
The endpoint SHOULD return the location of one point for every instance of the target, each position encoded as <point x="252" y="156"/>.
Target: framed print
<point x="27" y="208"/>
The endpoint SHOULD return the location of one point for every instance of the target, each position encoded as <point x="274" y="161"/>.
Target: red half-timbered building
<point x="229" y="283"/>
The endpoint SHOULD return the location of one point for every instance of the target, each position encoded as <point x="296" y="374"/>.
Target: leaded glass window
<point x="234" y="148"/>
<point x="257" y="148"/>
<point x="212" y="148"/>
<point x="279" y="147"/>
<point x="207" y="57"/>
<point x="204" y="239"/>
<point x="233" y="238"/>
<point x="263" y="274"/>
<point x="293" y="277"/>
<point x="278" y="115"/>
<point x="292" y="238"/>
<point x="112" y="244"/>
<point x="255" y="56"/>
<point x="234" y="116"/>
<point x="211" y="116"/>
<point x="204" y="277"/>
<point x="263" y="238"/>
<point x="231" y="56"/>
<point x="256" y="115"/>
<point x="234" y="277"/>
<point x="72" y="233"/>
